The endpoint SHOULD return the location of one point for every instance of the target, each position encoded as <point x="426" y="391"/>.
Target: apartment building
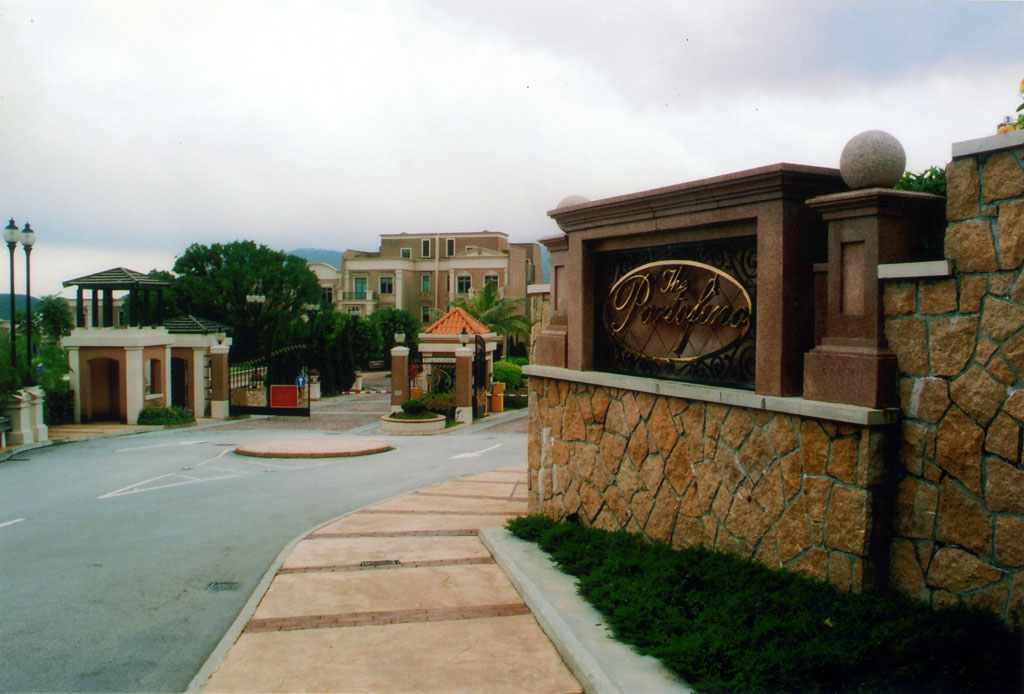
<point x="424" y="272"/>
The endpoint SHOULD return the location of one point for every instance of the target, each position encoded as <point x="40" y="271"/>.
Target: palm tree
<point x="500" y="314"/>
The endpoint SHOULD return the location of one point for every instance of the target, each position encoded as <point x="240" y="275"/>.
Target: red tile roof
<point x="454" y="321"/>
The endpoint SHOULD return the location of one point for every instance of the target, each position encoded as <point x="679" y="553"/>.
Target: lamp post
<point x="28" y="239"/>
<point x="12" y="236"/>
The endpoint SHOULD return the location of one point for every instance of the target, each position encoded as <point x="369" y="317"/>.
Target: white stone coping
<point x="931" y="268"/>
<point x="832" y="411"/>
<point x="538" y="289"/>
<point x="988" y="144"/>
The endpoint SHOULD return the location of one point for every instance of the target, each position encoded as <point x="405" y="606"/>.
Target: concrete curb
<point x="601" y="664"/>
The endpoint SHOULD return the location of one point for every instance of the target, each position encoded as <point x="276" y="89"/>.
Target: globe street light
<point x="12" y="236"/>
<point x="28" y="239"/>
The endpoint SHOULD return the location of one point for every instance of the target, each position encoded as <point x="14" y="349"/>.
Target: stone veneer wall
<point x="959" y="528"/>
<point x="785" y="490"/>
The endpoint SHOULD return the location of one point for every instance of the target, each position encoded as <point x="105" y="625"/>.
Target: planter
<point x="412" y="427"/>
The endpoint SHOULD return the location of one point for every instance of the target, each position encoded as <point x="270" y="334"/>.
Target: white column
<point x="198" y="382"/>
<point x="165" y="377"/>
<point x="134" y="384"/>
<point x="74" y="383"/>
<point x="398" y="288"/>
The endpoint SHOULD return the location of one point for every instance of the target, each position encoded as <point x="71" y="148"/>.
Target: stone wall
<point x="785" y="490"/>
<point x="959" y="527"/>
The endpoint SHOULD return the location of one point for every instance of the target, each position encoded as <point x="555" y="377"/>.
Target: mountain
<point x="319" y="255"/>
<point x="19" y="304"/>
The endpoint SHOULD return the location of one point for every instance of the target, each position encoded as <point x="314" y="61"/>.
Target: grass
<point x="728" y="625"/>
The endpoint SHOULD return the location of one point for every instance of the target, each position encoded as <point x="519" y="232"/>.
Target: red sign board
<point x="284" y="396"/>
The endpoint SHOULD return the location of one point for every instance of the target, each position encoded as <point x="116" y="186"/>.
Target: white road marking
<point x="178" y="479"/>
<point x="475" y="454"/>
<point x="11" y="522"/>
<point x="161" y="445"/>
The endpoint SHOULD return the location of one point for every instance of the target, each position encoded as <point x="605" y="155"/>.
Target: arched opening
<point x="105" y="387"/>
<point x="179" y="382"/>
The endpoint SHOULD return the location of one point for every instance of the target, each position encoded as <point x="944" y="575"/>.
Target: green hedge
<point x="508" y="373"/>
<point x="166" y="415"/>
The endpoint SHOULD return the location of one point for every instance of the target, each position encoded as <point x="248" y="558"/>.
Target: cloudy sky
<point x="132" y="128"/>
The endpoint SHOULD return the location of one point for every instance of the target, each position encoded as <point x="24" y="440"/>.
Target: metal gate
<point x="276" y="384"/>
<point x="479" y="377"/>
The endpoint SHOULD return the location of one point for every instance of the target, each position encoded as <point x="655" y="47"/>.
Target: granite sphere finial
<point x="872" y="159"/>
<point x="570" y="200"/>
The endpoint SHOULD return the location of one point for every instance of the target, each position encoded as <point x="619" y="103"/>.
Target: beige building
<point x="421" y="273"/>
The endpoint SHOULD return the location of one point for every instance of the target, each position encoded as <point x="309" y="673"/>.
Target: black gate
<point x="479" y="377"/>
<point x="276" y="384"/>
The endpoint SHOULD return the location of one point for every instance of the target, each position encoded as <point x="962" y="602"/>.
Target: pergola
<point x="138" y="285"/>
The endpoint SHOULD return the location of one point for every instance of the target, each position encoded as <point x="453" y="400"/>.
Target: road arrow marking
<point x="475" y="454"/>
<point x="11" y="522"/>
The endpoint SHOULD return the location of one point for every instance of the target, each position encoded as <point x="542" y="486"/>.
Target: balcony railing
<point x="359" y="296"/>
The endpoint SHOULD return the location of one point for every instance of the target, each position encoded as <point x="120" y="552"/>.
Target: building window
<point x="463" y="283"/>
<point x="425" y="314"/>
<point x="328" y="294"/>
<point x="447" y="284"/>
<point x="405" y="252"/>
<point x="387" y="285"/>
<point x="425" y="248"/>
<point x="358" y="288"/>
<point x="491" y="279"/>
<point x="449" y="247"/>
<point x="425" y="284"/>
<point x="151" y="377"/>
<point x="355" y="310"/>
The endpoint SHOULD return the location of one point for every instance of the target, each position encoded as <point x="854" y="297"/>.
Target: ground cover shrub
<point x="508" y="373"/>
<point x="726" y="625"/>
<point x="166" y="415"/>
<point x="440" y="403"/>
<point x="519" y="361"/>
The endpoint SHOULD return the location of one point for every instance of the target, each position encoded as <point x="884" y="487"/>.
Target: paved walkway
<point x="398" y="597"/>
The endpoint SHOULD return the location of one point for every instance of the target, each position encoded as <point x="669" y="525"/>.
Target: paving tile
<point x="498" y="655"/>
<point x="398" y="522"/>
<point x="390" y="589"/>
<point x="351" y="551"/>
<point x="422" y="502"/>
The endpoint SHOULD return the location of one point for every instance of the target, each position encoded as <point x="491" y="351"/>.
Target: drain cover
<point x="381" y="562"/>
<point x="218" y="586"/>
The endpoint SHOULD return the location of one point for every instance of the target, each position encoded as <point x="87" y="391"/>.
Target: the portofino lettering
<point x="677" y="310"/>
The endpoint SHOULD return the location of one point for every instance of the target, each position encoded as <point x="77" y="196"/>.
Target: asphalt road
<point x="108" y="547"/>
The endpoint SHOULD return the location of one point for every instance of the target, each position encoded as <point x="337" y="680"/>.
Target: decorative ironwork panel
<point x="683" y="312"/>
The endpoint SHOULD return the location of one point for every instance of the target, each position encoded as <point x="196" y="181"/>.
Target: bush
<point x="414" y="407"/>
<point x="519" y="361"/>
<point x="516" y="402"/>
<point x="59" y="407"/>
<point x="166" y="415"/>
<point x="508" y="373"/>
<point x="440" y="403"/>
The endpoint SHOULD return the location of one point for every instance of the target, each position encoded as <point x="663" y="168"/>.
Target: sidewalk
<point x="399" y="597"/>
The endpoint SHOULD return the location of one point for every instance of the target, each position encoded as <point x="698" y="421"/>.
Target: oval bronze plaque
<point x="677" y="310"/>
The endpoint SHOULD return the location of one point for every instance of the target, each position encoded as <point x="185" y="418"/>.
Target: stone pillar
<point x="853" y="363"/>
<point x="18" y="408"/>
<point x="36" y="402"/>
<point x="464" y="384"/>
<point x="399" y="377"/>
<point x="134" y="395"/>
<point x="219" y="395"/>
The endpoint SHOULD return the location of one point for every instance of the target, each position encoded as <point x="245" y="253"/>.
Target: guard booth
<point x="457" y="351"/>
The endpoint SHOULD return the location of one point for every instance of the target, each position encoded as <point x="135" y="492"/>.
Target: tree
<point x="500" y="314"/>
<point x="394" y="320"/>
<point x="366" y="341"/>
<point x="54" y="316"/>
<point x="213" y="282"/>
